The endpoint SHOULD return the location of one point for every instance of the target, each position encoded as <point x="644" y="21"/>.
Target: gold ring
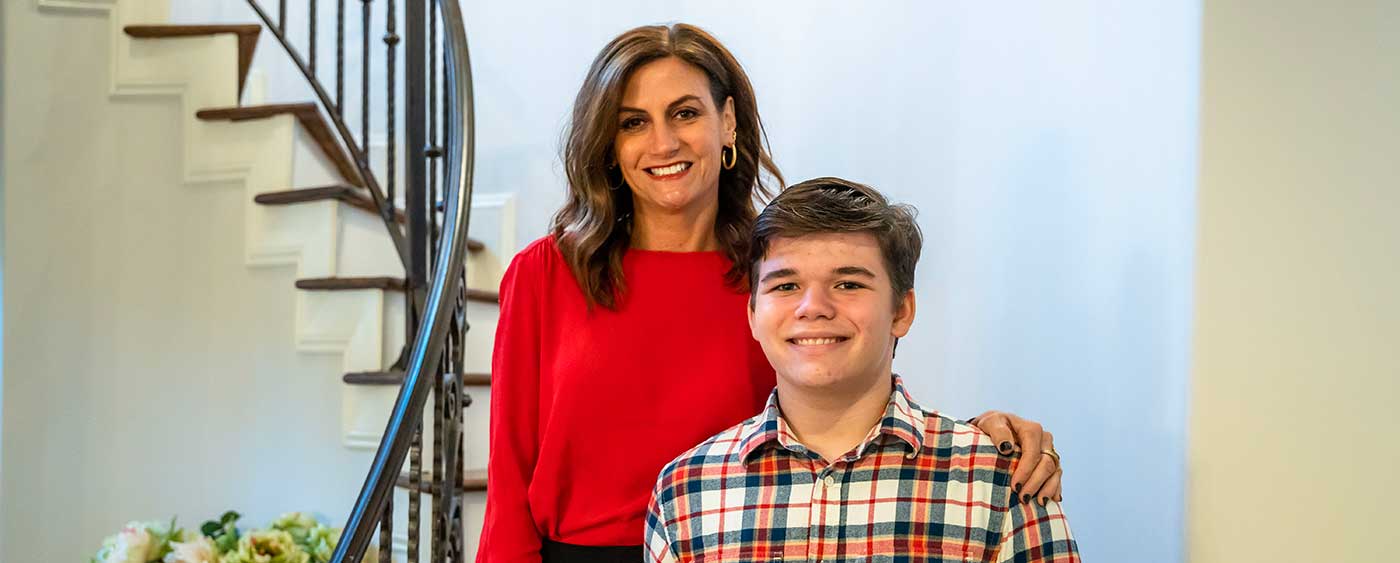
<point x="1053" y="455"/>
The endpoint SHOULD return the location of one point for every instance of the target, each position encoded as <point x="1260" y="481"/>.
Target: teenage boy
<point x="842" y="465"/>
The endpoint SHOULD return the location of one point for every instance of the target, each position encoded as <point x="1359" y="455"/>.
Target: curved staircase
<point x="313" y="201"/>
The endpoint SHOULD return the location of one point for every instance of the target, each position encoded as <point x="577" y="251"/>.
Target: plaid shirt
<point x="920" y="487"/>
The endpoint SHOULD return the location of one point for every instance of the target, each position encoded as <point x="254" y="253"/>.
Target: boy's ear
<point x="749" y="312"/>
<point x="903" y="315"/>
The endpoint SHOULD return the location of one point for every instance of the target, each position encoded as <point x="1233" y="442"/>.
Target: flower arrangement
<point x="292" y="538"/>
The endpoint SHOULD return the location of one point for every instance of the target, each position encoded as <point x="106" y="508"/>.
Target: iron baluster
<point x="432" y="153"/>
<point x="386" y="531"/>
<point x="415" y="492"/>
<point x="439" y="399"/>
<point x="391" y="41"/>
<point x="340" y="58"/>
<point x="311" y="55"/>
<point x="364" y="82"/>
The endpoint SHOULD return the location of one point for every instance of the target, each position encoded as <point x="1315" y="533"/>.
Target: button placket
<point x="816" y="524"/>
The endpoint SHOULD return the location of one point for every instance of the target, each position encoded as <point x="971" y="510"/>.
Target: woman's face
<point x="669" y="137"/>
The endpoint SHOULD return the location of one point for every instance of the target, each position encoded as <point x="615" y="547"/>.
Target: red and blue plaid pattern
<point x="920" y="487"/>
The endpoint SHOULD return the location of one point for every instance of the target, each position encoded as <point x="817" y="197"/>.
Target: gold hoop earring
<point x="732" y="159"/>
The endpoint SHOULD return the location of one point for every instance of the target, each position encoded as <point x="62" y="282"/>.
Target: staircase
<point x="367" y="255"/>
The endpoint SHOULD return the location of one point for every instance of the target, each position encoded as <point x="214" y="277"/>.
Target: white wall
<point x="148" y="371"/>
<point x="2" y="272"/>
<point x="1296" y="374"/>
<point x="1051" y="149"/>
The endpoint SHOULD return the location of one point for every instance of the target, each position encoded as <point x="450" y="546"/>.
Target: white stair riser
<point x="366" y="407"/>
<point x="474" y="514"/>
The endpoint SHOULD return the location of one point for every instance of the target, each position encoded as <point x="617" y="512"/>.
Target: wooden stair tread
<point x="239" y="113"/>
<point x="352" y="283"/>
<point x="351" y="195"/>
<point x="383" y="282"/>
<point x="396" y="378"/>
<point x="311" y="120"/>
<point x="473" y="480"/>
<point x="247" y="39"/>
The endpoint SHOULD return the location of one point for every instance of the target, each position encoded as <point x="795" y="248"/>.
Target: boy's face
<point x="823" y="311"/>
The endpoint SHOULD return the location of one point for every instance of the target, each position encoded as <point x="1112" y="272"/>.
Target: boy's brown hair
<point x="834" y="205"/>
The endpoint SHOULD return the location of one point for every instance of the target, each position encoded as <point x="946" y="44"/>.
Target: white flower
<point x="132" y="545"/>
<point x="200" y="550"/>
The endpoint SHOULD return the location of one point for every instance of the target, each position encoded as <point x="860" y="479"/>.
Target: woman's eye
<point x="632" y="124"/>
<point x="687" y="113"/>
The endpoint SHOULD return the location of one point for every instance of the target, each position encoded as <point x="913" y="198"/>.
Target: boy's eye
<point x="789" y="286"/>
<point x="848" y="285"/>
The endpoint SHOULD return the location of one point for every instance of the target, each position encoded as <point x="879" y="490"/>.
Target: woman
<point x="622" y="338"/>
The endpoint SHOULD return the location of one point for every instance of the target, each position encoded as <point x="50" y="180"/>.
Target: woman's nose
<point x="663" y="139"/>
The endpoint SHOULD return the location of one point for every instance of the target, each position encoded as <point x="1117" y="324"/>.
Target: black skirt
<point x="554" y="552"/>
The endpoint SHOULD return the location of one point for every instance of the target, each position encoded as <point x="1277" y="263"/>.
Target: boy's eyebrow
<point x="842" y="271"/>
<point x="853" y="271"/>
<point x="780" y="273"/>
<point x="672" y="105"/>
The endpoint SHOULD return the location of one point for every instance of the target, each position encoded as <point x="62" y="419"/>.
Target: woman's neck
<point x="675" y="231"/>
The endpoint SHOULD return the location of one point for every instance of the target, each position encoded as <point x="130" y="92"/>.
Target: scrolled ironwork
<point x="433" y="359"/>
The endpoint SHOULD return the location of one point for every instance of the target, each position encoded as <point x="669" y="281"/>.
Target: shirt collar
<point x="904" y="421"/>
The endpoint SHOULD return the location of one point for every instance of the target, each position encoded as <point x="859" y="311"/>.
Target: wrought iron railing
<point x="436" y="314"/>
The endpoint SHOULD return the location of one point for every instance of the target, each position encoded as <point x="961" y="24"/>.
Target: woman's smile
<point x="669" y="172"/>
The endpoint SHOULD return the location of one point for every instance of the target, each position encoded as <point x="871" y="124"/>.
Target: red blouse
<point x="586" y="407"/>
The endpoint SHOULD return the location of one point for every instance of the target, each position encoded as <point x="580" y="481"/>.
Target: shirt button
<point x="829" y="481"/>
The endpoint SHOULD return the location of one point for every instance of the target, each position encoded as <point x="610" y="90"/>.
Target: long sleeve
<point x="657" y="542"/>
<point x="509" y="533"/>
<point x="1036" y="534"/>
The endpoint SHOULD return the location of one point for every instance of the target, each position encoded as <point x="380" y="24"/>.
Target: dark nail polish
<point x="1026" y="498"/>
<point x="1043" y="501"/>
<point x="1016" y="487"/>
<point x="1005" y="448"/>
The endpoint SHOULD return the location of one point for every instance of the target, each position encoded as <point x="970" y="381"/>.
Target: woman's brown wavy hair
<point x="594" y="228"/>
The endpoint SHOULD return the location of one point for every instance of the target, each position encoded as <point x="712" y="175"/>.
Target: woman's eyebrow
<point x="672" y="105"/>
<point x="683" y="99"/>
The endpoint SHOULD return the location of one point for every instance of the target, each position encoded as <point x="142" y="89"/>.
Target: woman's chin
<point x="673" y="201"/>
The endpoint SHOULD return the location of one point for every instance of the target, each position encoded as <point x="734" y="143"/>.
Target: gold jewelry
<point x="1051" y="452"/>
<point x="733" y="147"/>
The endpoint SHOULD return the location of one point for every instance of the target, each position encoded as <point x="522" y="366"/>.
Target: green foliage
<point x="294" y="537"/>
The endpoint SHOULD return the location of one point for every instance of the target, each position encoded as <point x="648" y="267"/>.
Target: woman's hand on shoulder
<point x="1037" y="474"/>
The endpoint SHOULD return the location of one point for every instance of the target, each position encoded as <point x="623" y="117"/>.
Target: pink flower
<point x="198" y="551"/>
<point x="132" y="545"/>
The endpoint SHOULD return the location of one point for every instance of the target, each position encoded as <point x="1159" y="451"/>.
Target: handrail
<point x="427" y="348"/>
